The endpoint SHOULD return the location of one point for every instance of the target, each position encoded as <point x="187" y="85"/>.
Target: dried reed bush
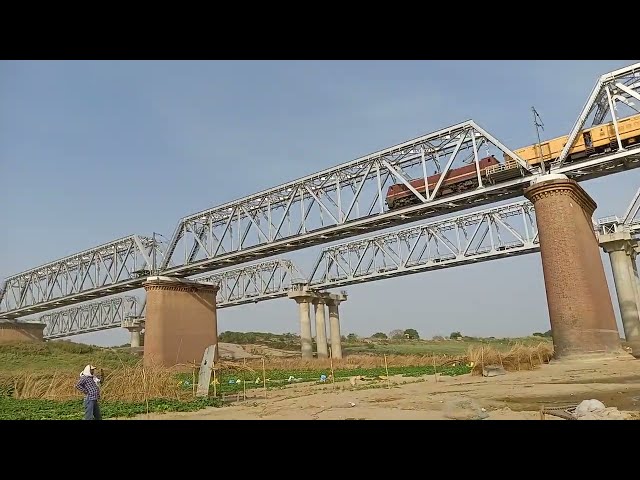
<point x="133" y="383"/>
<point x="130" y="383"/>
<point x="519" y="357"/>
<point x="354" y="361"/>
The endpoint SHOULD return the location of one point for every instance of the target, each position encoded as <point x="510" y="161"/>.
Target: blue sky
<point x="91" y="151"/>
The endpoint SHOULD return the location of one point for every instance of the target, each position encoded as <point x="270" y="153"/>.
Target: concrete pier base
<point x="321" y="328"/>
<point x="135" y="327"/>
<point x="304" y="306"/>
<point x="334" y="324"/>
<point x="181" y="321"/>
<point x="620" y="247"/>
<point x="21" y="331"/>
<point x="305" y="296"/>
<point x="580" y="309"/>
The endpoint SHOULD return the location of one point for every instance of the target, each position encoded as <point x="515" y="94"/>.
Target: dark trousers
<point x="91" y="410"/>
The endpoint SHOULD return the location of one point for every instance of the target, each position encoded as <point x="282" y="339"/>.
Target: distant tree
<point x="455" y="335"/>
<point x="396" y="334"/>
<point x="352" y="337"/>
<point x="411" y="333"/>
<point x="437" y="338"/>
<point x="379" y="335"/>
<point x="545" y="334"/>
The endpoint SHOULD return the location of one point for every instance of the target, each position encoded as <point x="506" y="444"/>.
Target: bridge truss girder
<point x="479" y="236"/>
<point x="331" y="199"/>
<point x="100" y="271"/>
<point x="621" y="86"/>
<point x="90" y="317"/>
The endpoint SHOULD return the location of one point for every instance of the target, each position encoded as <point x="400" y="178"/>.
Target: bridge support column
<point x="334" y="323"/>
<point x="620" y="247"/>
<point x="21" y="331"/>
<point x="180" y="322"/>
<point x="634" y="269"/>
<point x="321" y="328"/>
<point x="135" y="326"/>
<point x="580" y="308"/>
<point x="304" y="305"/>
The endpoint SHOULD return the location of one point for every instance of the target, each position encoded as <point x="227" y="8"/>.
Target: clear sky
<point x="91" y="151"/>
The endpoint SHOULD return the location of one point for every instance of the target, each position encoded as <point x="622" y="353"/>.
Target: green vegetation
<point x="59" y="356"/>
<point x="37" y="409"/>
<point x="280" y="378"/>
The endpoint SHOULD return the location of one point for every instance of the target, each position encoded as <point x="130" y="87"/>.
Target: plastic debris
<point x="323" y="378"/>
<point x="596" y="410"/>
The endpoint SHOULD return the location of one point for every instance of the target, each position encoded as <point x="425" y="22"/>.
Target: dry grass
<point x="519" y="357"/>
<point x="126" y="383"/>
<point x="130" y="383"/>
<point x="354" y="361"/>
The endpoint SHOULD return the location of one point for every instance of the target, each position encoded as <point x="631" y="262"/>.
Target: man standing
<point x="88" y="384"/>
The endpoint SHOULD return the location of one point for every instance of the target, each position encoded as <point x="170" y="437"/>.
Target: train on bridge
<point x="594" y="140"/>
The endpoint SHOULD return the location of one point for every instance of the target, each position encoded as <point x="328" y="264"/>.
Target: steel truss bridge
<point x="337" y="203"/>
<point x="489" y="234"/>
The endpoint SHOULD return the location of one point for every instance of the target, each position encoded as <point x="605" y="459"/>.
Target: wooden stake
<point x="264" y="378"/>
<point x="215" y="391"/>
<point x="333" y="377"/>
<point x="482" y="360"/>
<point x="387" y="369"/>
<point x="193" y="375"/>
<point x="435" y="370"/>
<point x="244" y="382"/>
<point x="144" y="386"/>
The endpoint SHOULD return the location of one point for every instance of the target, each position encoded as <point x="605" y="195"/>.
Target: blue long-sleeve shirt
<point x="87" y="385"/>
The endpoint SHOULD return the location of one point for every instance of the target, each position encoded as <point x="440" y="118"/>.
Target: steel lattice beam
<point x="220" y="237"/>
<point x="253" y="283"/>
<point x="628" y="222"/>
<point x="479" y="236"/>
<point x="619" y="86"/>
<point x="311" y="209"/>
<point x="91" y="317"/>
<point x="110" y="268"/>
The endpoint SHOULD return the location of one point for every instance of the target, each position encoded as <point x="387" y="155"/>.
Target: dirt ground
<point x="516" y="395"/>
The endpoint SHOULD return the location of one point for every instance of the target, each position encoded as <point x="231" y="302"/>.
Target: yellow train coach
<point x="593" y="140"/>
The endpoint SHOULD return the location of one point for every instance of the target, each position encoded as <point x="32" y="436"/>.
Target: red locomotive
<point x="457" y="180"/>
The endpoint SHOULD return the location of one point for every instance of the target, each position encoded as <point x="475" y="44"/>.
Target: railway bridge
<point x="349" y="201"/>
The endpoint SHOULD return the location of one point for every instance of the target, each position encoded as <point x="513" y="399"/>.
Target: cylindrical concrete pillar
<point x="334" y="325"/>
<point x="580" y="309"/>
<point x="321" y="328"/>
<point x="305" y="329"/>
<point x="626" y="289"/>
<point x="634" y="276"/>
<point x="135" y="337"/>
